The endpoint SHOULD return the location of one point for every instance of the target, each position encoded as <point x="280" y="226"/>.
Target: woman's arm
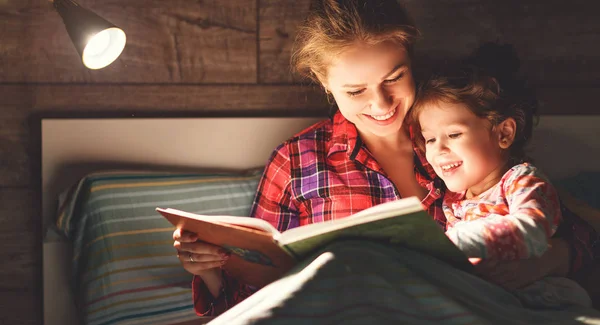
<point x="215" y="292"/>
<point x="274" y="201"/>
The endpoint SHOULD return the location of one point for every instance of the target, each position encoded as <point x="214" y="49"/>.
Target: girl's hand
<point x="519" y="273"/>
<point x="197" y="257"/>
<point x="511" y="274"/>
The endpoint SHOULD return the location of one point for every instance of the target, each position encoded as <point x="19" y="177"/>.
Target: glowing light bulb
<point x="103" y="48"/>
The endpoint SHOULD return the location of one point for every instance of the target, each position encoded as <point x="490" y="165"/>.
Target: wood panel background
<point x="228" y="57"/>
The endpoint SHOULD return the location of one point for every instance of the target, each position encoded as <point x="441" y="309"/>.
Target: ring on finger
<point x="192" y="259"/>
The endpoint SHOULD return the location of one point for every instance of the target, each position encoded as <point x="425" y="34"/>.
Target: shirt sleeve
<point x="432" y="202"/>
<point x="273" y="203"/>
<point x="232" y="292"/>
<point x="533" y="217"/>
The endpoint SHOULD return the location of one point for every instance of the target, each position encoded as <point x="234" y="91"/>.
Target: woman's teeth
<point x="453" y="165"/>
<point x="384" y="117"/>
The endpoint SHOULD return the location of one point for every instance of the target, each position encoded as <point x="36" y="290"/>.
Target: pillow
<point x="124" y="264"/>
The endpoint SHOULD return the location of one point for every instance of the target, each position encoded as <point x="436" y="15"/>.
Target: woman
<point x="361" y="53"/>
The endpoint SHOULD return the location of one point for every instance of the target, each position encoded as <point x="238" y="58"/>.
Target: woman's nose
<point x="382" y="101"/>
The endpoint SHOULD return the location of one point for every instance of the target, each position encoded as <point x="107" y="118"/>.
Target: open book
<point x="261" y="254"/>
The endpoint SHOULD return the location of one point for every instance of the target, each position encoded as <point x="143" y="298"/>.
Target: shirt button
<point x="437" y="191"/>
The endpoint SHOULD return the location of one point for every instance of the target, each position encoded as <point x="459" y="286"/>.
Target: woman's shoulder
<point x="314" y="136"/>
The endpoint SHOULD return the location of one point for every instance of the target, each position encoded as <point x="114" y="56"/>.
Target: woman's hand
<point x="519" y="273"/>
<point x="200" y="258"/>
<point x="197" y="257"/>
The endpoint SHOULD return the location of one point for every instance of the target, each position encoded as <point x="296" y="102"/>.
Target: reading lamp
<point x="98" y="41"/>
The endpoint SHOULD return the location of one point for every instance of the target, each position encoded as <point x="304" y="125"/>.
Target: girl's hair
<point x="332" y="26"/>
<point x="487" y="86"/>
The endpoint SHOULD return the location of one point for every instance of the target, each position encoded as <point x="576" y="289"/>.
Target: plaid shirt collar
<point x="344" y="135"/>
<point x="345" y="139"/>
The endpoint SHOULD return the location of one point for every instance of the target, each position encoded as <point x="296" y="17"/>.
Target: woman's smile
<point x="384" y="119"/>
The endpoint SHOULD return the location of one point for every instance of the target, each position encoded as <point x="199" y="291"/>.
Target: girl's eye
<point x="454" y="135"/>
<point x="355" y="93"/>
<point x="389" y="81"/>
<point x="429" y="141"/>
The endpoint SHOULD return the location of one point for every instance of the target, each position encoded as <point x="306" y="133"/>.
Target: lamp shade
<point x="98" y="41"/>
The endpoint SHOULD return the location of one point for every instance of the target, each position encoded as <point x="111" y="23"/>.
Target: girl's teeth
<point x="384" y="117"/>
<point x="446" y="167"/>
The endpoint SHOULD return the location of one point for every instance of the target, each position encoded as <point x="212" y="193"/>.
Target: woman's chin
<point x="385" y="130"/>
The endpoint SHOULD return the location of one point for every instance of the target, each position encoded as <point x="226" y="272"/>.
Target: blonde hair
<point x="333" y="26"/>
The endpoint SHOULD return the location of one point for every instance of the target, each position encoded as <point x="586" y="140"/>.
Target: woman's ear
<point x="506" y="131"/>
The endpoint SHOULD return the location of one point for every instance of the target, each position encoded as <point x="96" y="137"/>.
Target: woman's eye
<point x="355" y="93"/>
<point x="389" y="81"/>
<point x="429" y="141"/>
<point x="454" y="135"/>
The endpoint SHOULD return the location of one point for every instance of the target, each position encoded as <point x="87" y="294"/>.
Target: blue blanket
<point x="361" y="282"/>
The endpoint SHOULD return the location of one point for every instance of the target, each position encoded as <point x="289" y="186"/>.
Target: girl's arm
<point x="274" y="203"/>
<point x="518" y="273"/>
<point x="533" y="216"/>
<point x="570" y="254"/>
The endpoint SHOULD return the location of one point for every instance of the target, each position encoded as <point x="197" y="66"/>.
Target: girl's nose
<point x="440" y="146"/>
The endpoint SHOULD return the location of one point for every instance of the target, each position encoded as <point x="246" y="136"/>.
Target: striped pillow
<point x="125" y="267"/>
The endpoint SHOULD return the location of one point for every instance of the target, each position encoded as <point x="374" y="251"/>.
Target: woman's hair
<point x="332" y="26"/>
<point x="487" y="85"/>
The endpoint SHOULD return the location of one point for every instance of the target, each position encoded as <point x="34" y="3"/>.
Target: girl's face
<point x="464" y="150"/>
<point x="373" y="87"/>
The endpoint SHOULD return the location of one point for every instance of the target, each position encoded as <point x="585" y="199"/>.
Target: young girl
<point x="498" y="206"/>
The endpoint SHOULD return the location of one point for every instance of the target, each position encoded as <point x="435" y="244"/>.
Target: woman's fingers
<point x="183" y="236"/>
<point x="201" y="248"/>
<point x="197" y="257"/>
<point x="196" y="264"/>
<point x="187" y="257"/>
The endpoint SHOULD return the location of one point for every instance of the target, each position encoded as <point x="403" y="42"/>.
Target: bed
<point x="102" y="178"/>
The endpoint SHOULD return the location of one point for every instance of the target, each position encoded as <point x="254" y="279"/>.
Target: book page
<point x="398" y="223"/>
<point x="246" y="222"/>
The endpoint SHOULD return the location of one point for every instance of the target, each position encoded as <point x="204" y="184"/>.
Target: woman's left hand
<point x="518" y="273"/>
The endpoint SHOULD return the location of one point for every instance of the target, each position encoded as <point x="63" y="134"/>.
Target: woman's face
<point x="373" y="87"/>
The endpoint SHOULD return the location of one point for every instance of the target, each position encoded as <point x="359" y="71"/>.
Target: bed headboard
<point x="72" y="148"/>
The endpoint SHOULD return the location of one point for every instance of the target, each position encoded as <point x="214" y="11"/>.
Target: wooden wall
<point x="219" y="57"/>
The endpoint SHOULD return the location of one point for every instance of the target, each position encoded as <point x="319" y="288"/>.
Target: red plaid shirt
<point x="324" y="173"/>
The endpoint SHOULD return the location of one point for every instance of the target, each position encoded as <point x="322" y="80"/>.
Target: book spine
<point x="289" y="251"/>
